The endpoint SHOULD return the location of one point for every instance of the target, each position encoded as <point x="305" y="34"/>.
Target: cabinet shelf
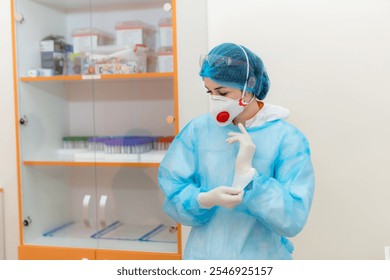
<point x="105" y="77"/>
<point x="91" y="163"/>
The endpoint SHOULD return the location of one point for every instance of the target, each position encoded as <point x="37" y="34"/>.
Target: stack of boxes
<point x="53" y="50"/>
<point x="165" y="53"/>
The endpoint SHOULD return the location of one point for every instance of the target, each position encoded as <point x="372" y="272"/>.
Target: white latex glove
<point x="221" y="196"/>
<point x="244" y="172"/>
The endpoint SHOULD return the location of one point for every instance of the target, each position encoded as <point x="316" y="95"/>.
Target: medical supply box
<point x="86" y="39"/>
<point x="52" y="49"/>
<point x="165" y="59"/>
<point x="130" y="33"/>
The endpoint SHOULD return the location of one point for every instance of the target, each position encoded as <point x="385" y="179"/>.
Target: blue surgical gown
<point x="276" y="203"/>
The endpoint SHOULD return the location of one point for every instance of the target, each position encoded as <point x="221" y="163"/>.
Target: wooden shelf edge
<point x="105" y="77"/>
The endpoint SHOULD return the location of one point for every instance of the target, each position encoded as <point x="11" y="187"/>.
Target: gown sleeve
<point x="178" y="181"/>
<point x="282" y="202"/>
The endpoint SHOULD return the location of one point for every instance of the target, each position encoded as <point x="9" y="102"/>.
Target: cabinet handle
<point x="23" y="120"/>
<point x="172" y="229"/>
<point x="167" y="7"/>
<point x="86" y="203"/>
<point x="19" y="17"/>
<point x="102" y="210"/>
<point x="27" y="221"/>
<point x="170" y="119"/>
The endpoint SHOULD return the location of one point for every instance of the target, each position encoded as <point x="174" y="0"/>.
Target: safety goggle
<point x="219" y="60"/>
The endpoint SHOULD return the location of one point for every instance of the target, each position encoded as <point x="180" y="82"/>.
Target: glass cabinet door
<point x="57" y="202"/>
<point x="96" y="106"/>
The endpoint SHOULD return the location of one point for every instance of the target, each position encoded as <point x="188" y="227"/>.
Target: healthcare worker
<point x="240" y="176"/>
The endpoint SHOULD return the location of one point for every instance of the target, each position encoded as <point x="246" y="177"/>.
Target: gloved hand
<point x="221" y="196"/>
<point x="244" y="172"/>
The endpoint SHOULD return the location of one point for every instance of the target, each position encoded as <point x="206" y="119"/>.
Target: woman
<point x="242" y="190"/>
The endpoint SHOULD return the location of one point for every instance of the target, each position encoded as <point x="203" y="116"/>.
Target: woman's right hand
<point x="223" y="196"/>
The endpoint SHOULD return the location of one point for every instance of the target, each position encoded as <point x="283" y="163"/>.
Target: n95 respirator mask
<point x="224" y="110"/>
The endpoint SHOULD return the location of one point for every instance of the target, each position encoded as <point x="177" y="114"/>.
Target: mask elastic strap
<point x="242" y="102"/>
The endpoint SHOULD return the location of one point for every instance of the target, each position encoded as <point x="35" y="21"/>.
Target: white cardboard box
<point x="87" y="39"/>
<point x="165" y="62"/>
<point x="130" y="33"/>
<point x="165" y="32"/>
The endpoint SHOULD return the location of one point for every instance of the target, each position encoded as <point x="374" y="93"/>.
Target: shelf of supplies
<point x="104" y="77"/>
<point x="91" y="163"/>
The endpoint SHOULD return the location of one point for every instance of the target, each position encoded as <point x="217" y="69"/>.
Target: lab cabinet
<point x="95" y="116"/>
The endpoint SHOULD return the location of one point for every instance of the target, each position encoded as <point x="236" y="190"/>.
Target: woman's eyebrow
<point x="217" y="88"/>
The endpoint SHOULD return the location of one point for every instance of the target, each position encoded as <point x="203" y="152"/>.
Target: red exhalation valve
<point x="223" y="117"/>
<point x="241" y="102"/>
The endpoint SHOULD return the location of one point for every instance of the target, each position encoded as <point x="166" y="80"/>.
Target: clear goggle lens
<point x="219" y="60"/>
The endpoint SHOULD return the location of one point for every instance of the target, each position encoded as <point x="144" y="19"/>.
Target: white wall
<point x="8" y="175"/>
<point x="329" y="63"/>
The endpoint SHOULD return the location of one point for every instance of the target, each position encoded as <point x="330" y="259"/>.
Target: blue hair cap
<point x="226" y="64"/>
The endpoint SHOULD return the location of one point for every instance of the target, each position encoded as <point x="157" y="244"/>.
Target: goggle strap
<point x="247" y="77"/>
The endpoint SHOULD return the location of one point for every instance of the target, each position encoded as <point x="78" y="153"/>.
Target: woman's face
<point x="214" y="88"/>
